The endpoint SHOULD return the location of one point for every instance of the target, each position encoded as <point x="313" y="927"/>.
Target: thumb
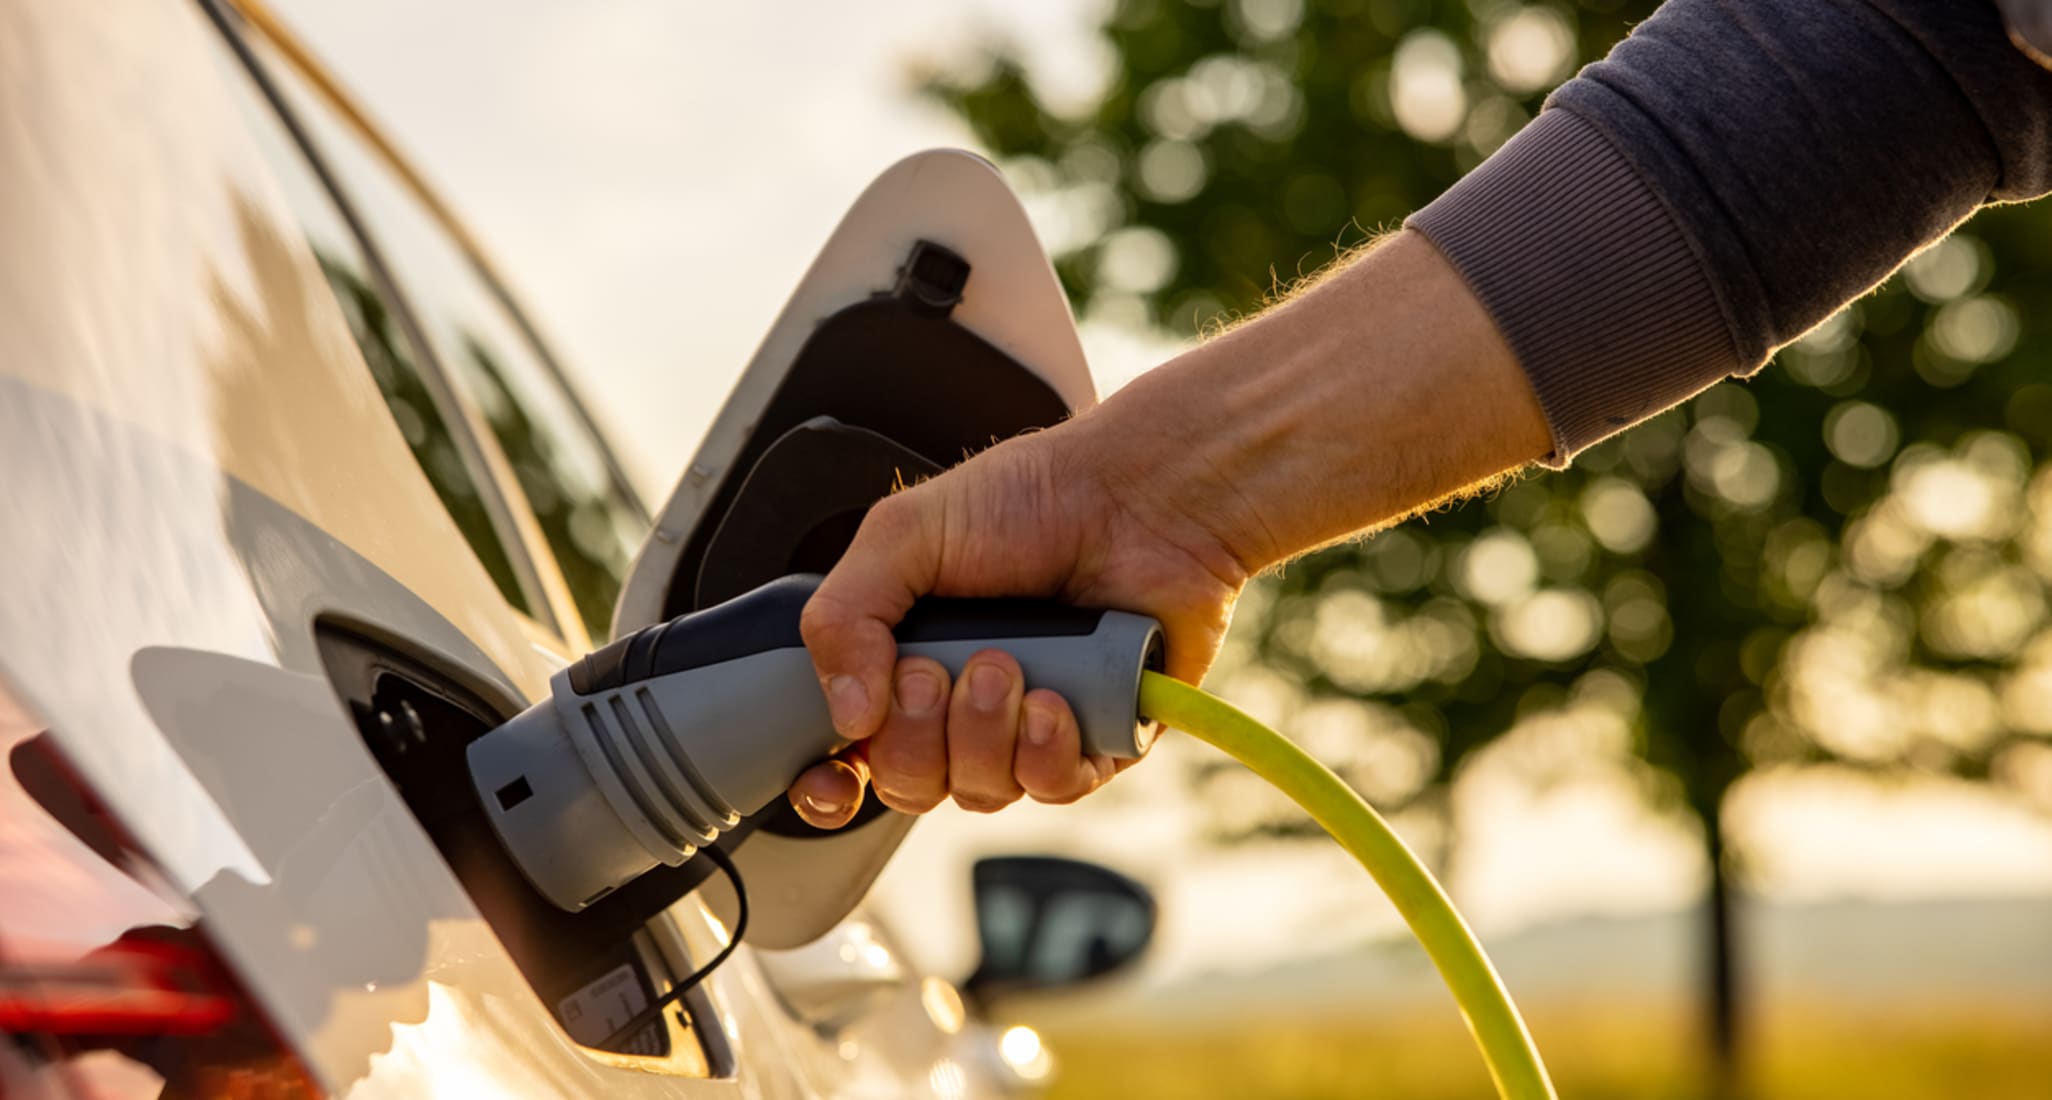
<point x="847" y="623"/>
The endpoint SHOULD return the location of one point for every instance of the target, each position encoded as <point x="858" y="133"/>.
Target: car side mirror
<point x="1047" y="922"/>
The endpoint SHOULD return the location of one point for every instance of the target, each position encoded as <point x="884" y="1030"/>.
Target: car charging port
<point x="588" y="967"/>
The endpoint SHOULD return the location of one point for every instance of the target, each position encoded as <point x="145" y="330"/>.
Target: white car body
<point x="205" y="487"/>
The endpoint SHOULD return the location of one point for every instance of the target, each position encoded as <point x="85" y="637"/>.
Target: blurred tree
<point x="588" y="523"/>
<point x="1842" y="560"/>
<point x="391" y="359"/>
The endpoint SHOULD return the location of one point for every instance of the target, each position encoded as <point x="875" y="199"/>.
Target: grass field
<point x="1811" y="1051"/>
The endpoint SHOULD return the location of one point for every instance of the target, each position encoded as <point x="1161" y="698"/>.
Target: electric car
<point x="297" y="504"/>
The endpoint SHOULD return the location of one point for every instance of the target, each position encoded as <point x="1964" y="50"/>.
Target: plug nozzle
<point x="590" y="790"/>
<point x="655" y="745"/>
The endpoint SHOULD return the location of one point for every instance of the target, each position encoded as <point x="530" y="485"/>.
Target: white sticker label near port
<point x="593" y="1013"/>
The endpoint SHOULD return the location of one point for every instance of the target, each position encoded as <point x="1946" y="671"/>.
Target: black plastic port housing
<point x="840" y="433"/>
<point x="417" y="720"/>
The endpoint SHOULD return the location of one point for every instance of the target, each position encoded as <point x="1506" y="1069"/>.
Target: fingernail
<point x="821" y="806"/>
<point x="988" y="686"/>
<point x="918" y="693"/>
<point x="848" y="700"/>
<point x="1040" y="726"/>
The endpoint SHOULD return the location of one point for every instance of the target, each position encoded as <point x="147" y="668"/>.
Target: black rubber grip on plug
<point x="767" y="618"/>
<point x="951" y="619"/>
<point x="753" y="622"/>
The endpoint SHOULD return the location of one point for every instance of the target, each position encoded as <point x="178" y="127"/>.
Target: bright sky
<point x="655" y="176"/>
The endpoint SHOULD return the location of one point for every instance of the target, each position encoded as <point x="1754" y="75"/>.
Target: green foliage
<point x="1841" y="559"/>
<point x="1256" y="137"/>
<point x="587" y="520"/>
<point x="391" y="360"/>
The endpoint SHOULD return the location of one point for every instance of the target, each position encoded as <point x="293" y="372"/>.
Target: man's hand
<point x="1382" y="389"/>
<point x="1040" y="516"/>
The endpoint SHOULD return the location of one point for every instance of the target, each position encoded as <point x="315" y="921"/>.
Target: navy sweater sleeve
<point x="1731" y="174"/>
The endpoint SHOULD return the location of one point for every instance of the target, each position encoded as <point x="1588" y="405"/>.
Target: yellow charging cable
<point x="1494" y="1021"/>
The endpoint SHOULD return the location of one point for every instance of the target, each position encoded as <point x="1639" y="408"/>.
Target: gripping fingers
<point x="983" y="732"/>
<point x="827" y="794"/>
<point x="908" y="757"/>
<point x="847" y="623"/>
<point x="1050" y="764"/>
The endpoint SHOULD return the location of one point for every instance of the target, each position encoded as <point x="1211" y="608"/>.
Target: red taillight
<point x="125" y="988"/>
<point x="109" y="986"/>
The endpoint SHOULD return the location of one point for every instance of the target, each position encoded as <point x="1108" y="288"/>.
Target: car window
<point x="592" y="524"/>
<point x="392" y="358"/>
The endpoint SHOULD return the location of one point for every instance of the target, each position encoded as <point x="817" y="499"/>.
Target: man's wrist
<point x="1154" y="450"/>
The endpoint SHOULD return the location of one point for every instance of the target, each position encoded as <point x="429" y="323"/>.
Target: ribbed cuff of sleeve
<point x="1588" y="276"/>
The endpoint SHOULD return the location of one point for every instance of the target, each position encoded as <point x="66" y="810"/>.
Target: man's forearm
<point x="1383" y="388"/>
<point x="1663" y="226"/>
<point x="1727" y="177"/>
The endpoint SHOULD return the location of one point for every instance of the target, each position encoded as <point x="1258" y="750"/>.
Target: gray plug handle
<point x="656" y="744"/>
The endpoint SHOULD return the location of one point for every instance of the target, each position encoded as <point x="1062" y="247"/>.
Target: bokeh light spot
<point x="1532" y="49"/>
<point x="1619" y="515"/>
<point x="1860" y="434"/>
<point x="1954" y="266"/>
<point x="1137" y="259"/>
<point x="1172" y="171"/>
<point x="1974" y="330"/>
<point x="1425" y="86"/>
<point x="1550" y="625"/>
<point x="1499" y="566"/>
